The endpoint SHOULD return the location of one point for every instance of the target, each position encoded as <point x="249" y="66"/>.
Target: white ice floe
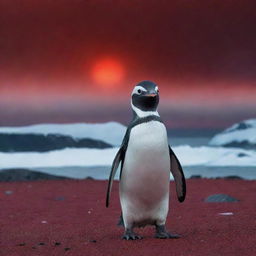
<point x="58" y="158"/>
<point x="215" y="156"/>
<point x="226" y="213"/>
<point x="242" y="132"/>
<point x="189" y="156"/>
<point x="110" y="132"/>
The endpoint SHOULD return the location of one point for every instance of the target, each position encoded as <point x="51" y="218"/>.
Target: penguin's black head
<point x="145" y="96"/>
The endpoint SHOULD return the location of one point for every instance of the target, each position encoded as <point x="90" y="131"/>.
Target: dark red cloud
<point x="189" y="47"/>
<point x="172" y="39"/>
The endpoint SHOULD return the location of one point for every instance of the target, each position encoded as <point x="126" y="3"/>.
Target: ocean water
<point x="191" y="141"/>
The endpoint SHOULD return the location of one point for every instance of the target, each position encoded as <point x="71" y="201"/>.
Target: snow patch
<point x="240" y="133"/>
<point x="188" y="156"/>
<point x="110" y="132"/>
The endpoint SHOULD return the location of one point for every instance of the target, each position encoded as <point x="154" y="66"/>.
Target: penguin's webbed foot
<point x="130" y="235"/>
<point x="161" y="233"/>
<point x="166" y="235"/>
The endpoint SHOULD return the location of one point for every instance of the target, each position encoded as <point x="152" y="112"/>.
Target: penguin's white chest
<point x="145" y="177"/>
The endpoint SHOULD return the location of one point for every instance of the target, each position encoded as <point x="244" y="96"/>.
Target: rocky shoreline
<point x="44" y="143"/>
<point x="19" y="174"/>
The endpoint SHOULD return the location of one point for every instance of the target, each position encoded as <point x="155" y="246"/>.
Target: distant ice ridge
<point x="189" y="156"/>
<point x="242" y="134"/>
<point x="110" y="132"/>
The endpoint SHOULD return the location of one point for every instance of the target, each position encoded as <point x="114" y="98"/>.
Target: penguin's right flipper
<point x="118" y="158"/>
<point x="178" y="175"/>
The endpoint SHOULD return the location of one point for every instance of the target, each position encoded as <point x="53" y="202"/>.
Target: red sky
<point x="201" y="53"/>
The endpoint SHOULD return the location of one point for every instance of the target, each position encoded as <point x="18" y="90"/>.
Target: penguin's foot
<point x="161" y="233"/>
<point x="130" y="235"/>
<point x="165" y="235"/>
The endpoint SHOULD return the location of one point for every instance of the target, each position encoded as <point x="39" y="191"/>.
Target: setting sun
<point x="107" y="72"/>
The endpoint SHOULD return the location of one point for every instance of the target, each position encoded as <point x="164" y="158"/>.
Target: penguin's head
<point x="145" y="97"/>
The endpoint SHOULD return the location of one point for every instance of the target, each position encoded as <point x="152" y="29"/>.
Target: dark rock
<point x="243" y="126"/>
<point x="196" y="177"/>
<point x="89" y="178"/>
<point x="242" y="144"/>
<point x="33" y="247"/>
<point x="239" y="126"/>
<point x="220" y="198"/>
<point x="57" y="244"/>
<point x="242" y="155"/>
<point x="233" y="177"/>
<point x="43" y="143"/>
<point x="25" y="175"/>
<point x="22" y="244"/>
<point x="67" y="249"/>
<point x="60" y="198"/>
<point x="41" y="243"/>
<point x="93" y="241"/>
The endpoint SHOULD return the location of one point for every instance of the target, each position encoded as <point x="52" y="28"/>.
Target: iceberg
<point x="47" y="137"/>
<point x="242" y="135"/>
<point x="110" y="132"/>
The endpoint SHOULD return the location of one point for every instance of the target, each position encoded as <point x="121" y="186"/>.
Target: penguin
<point x="146" y="160"/>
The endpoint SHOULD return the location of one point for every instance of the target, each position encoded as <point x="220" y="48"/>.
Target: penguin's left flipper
<point x="178" y="175"/>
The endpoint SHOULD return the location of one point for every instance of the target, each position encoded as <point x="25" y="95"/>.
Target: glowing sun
<point x="108" y="73"/>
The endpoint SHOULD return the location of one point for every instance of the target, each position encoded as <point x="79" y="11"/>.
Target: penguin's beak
<point x="151" y="94"/>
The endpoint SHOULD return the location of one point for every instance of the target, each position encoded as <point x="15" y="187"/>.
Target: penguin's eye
<point x="139" y="91"/>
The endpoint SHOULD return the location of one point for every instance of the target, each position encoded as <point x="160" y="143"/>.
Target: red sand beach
<point x="68" y="217"/>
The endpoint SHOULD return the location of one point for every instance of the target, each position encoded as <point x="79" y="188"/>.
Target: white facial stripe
<point x="156" y="88"/>
<point x="142" y="113"/>
<point x="138" y="87"/>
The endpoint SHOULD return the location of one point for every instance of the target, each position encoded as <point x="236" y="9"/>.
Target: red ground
<point x="78" y="220"/>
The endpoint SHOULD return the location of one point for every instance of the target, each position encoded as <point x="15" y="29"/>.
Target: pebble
<point x="66" y="249"/>
<point x="233" y="177"/>
<point x="196" y="177"/>
<point x="220" y="198"/>
<point x="60" y="198"/>
<point x="8" y="192"/>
